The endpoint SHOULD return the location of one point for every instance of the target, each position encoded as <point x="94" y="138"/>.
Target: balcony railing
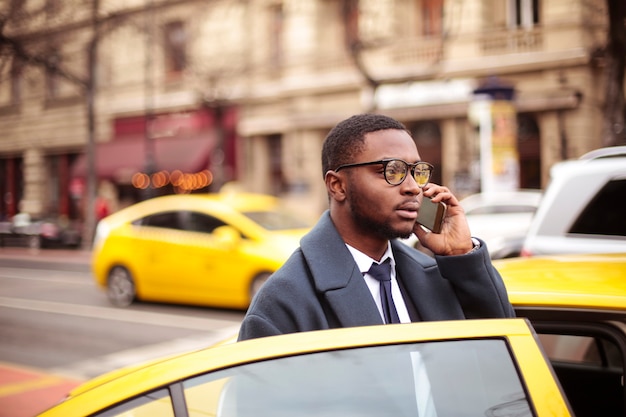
<point x="397" y="59"/>
<point x="511" y="41"/>
<point x="416" y="50"/>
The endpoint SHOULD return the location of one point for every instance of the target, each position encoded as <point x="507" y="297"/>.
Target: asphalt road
<point x="58" y="329"/>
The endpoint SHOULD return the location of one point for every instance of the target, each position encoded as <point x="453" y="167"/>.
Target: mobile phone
<point x="431" y="215"/>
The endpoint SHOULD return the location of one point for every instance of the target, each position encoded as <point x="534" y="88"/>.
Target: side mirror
<point x="227" y="236"/>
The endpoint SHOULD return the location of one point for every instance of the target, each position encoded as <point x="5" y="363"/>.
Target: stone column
<point x="34" y="197"/>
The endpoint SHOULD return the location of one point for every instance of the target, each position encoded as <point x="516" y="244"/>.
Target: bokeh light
<point x="182" y="182"/>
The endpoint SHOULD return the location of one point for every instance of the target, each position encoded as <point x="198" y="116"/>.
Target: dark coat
<point x="321" y="287"/>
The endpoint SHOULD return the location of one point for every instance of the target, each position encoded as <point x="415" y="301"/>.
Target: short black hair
<point x="347" y="138"/>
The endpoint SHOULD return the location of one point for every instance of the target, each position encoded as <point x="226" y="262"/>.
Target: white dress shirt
<point x="364" y="263"/>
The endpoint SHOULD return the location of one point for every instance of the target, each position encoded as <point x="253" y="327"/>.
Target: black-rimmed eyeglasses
<point x="395" y="170"/>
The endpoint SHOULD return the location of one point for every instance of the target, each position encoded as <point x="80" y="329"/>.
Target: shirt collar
<point x="364" y="262"/>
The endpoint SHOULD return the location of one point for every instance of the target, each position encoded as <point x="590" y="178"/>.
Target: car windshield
<point x="436" y="379"/>
<point x="276" y="220"/>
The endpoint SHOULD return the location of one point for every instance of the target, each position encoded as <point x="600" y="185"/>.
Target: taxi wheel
<point x="257" y="282"/>
<point x="121" y="287"/>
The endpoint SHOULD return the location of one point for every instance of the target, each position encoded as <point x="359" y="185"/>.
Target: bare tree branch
<point x="38" y="48"/>
<point x="352" y="40"/>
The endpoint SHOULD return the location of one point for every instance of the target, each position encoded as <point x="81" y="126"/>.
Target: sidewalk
<point x="73" y="256"/>
<point x="25" y="392"/>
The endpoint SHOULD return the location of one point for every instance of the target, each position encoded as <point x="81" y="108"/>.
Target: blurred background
<point x="105" y="103"/>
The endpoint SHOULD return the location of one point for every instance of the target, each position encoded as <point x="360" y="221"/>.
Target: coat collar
<point x="339" y="281"/>
<point x="337" y="277"/>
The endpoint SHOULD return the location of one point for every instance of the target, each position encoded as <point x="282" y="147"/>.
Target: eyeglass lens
<point x="396" y="171"/>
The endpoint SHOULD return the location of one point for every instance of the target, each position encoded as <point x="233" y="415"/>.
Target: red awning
<point x="119" y="159"/>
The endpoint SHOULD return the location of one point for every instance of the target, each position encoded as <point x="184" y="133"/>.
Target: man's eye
<point x="391" y="170"/>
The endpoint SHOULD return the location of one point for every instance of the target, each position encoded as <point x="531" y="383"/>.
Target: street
<point x="55" y="322"/>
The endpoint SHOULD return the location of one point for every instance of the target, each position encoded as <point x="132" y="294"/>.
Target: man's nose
<point x="409" y="185"/>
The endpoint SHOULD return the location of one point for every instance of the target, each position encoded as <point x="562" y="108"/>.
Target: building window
<point x="175" y="47"/>
<point x="516" y="24"/>
<point x="275" y="43"/>
<point x="351" y="23"/>
<point x="523" y="13"/>
<point x="529" y="150"/>
<point x="432" y="18"/>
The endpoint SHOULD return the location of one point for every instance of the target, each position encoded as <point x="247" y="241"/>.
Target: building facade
<point x="220" y="91"/>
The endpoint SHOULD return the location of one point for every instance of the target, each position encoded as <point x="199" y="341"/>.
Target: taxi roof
<point x="590" y="281"/>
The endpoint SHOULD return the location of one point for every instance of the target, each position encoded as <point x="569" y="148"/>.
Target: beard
<point x="375" y="223"/>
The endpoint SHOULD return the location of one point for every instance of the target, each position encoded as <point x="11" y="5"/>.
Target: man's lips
<point x="408" y="210"/>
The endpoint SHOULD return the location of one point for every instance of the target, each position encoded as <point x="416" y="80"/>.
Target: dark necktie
<point x="382" y="272"/>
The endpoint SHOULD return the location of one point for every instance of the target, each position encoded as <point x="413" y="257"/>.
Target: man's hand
<point x="455" y="237"/>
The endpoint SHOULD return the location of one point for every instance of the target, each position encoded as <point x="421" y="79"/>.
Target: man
<point x="376" y="181"/>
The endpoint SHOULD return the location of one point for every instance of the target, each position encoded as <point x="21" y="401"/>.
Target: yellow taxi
<point x="460" y="368"/>
<point x="204" y="249"/>
<point x="563" y="356"/>
<point x="577" y="305"/>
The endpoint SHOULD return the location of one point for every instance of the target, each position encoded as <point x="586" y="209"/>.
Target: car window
<point x="581" y="350"/>
<point x="590" y="367"/>
<point x="502" y="209"/>
<point x="182" y="220"/>
<point x="150" y="405"/>
<point x="604" y="215"/>
<point x="166" y="220"/>
<point x="437" y="379"/>
<point x="200" y="222"/>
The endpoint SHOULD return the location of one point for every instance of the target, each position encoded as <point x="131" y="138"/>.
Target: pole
<point x="90" y="93"/>
<point x="149" y="145"/>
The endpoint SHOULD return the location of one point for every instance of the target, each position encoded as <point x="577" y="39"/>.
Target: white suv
<point x="584" y="207"/>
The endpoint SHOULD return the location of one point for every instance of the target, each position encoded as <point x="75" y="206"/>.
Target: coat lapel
<point x="428" y="292"/>
<point x="336" y="276"/>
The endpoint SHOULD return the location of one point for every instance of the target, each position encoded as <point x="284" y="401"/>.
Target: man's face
<point x="379" y="209"/>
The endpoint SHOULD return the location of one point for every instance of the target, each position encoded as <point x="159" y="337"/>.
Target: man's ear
<point x="335" y="186"/>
